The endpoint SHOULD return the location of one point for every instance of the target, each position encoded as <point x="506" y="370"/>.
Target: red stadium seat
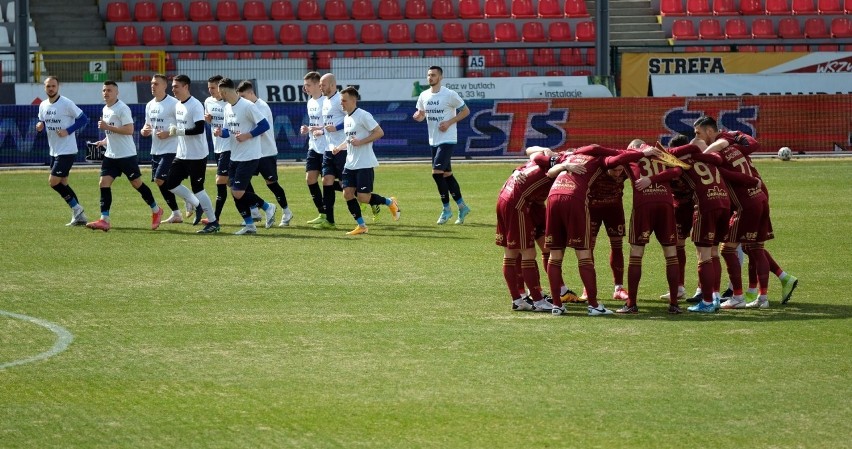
<point x="390" y="10"/>
<point x="848" y="9"/>
<point x="453" y="32"/>
<point x="710" y="29"/>
<point x="263" y="34"/>
<point x="200" y="12"/>
<point x="747" y="48"/>
<point x="408" y="54"/>
<point x="469" y="9"/>
<point x="336" y="10"/>
<point x="694" y="49"/>
<point x="778" y="8"/>
<point x="576" y="9"/>
<point x="298" y="55"/>
<point x="544" y="56"/>
<point x="737" y="29"/>
<point x="533" y="32"/>
<point x="318" y="34"/>
<point x="800" y="48"/>
<point x="434" y="53"/>
<point x="479" y="32"/>
<point x="426" y="33"/>
<point x="672" y="8"/>
<point x="153" y="36"/>
<point x="585" y="31"/>
<point x="227" y="11"/>
<point x="582" y="72"/>
<point x="806" y="7"/>
<point x="493" y="57"/>
<point x="571" y="57"/>
<point x="725" y="8"/>
<point x="559" y="32"/>
<point x="236" y="34"/>
<point x="244" y="55"/>
<point x="324" y="59"/>
<point x="475" y="74"/>
<point x="841" y="27"/>
<point x="752" y="8"/>
<point x="828" y="47"/>
<point x="763" y="29"/>
<point x="824" y="7"/>
<point x="363" y="10"/>
<point x="549" y="9"/>
<point x="789" y="28"/>
<point x="118" y="12"/>
<point x="684" y="29"/>
<point x="773" y="48"/>
<point x="133" y="62"/>
<point x="344" y="33"/>
<point x="380" y="54"/>
<point x="371" y="33"/>
<point x="523" y="9"/>
<point x="290" y="34"/>
<point x="281" y="10"/>
<point x="216" y="56"/>
<point x="125" y="36"/>
<point x="516" y="57"/>
<point x="496" y="9"/>
<point x="354" y="54"/>
<point x="554" y="73"/>
<point x="443" y="10"/>
<point x="181" y="35"/>
<point x="209" y="35"/>
<point x="720" y="48"/>
<point x="173" y="12"/>
<point x="308" y="10"/>
<point x="500" y="74"/>
<point x="416" y="9"/>
<point x="506" y="32"/>
<point x="698" y="8"/>
<point x="591" y="56"/>
<point x="528" y="73"/>
<point x="815" y="28"/>
<point x="254" y="10"/>
<point x="399" y="33"/>
<point x="147" y="12"/>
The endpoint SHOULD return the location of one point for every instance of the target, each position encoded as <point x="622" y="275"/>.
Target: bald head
<point x="636" y="143"/>
<point x="328" y="84"/>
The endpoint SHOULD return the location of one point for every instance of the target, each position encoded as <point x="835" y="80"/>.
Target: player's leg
<point x="706" y="278"/>
<point x="223" y="162"/>
<point x="313" y="168"/>
<point x="443" y="157"/>
<point x="241" y="173"/>
<point x="268" y="167"/>
<point x="640" y="230"/>
<point x="613" y="223"/>
<point x="757" y="256"/>
<point x="160" y="165"/>
<point x="58" y="180"/>
<point x="197" y="176"/>
<point x="130" y="168"/>
<point x="440" y="163"/>
<point x="179" y="171"/>
<point x="109" y="171"/>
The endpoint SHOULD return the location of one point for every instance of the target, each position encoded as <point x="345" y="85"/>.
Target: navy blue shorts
<point x="160" y="165"/>
<point x="194" y="169"/>
<point x="129" y="166"/>
<point x="223" y="162"/>
<point x="241" y="173"/>
<point x="442" y="156"/>
<point x="332" y="164"/>
<point x="313" y="161"/>
<point x="267" y="167"/>
<point x="361" y="179"/>
<point x="61" y="165"/>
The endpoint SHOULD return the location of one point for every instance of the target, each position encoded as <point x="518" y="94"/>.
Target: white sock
<point x="183" y="192"/>
<point x="207" y="205"/>
<point x="563" y="290"/>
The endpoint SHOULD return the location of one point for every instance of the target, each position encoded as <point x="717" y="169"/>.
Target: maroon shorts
<point x="538" y="215"/>
<point x="684" y="214"/>
<point x="567" y="223"/>
<point x="710" y="226"/>
<point x="611" y="217"/>
<point x="656" y="218"/>
<point x="515" y="229"/>
<point x="750" y="224"/>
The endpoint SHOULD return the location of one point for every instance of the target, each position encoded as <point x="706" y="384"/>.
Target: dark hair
<point x="244" y="86"/>
<point x="160" y="76"/>
<point x="227" y="83"/>
<point x="52" y="77"/>
<point x="352" y="92"/>
<point x="705" y="120"/>
<point x="678" y="140"/>
<point x="183" y="79"/>
<point x="110" y="83"/>
<point x="437" y="69"/>
<point x="214" y="79"/>
<point x="313" y="76"/>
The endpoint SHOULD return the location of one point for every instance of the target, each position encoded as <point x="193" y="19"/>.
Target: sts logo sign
<point x="730" y="115"/>
<point x="511" y="126"/>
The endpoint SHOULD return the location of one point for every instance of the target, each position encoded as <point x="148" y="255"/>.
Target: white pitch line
<point x="63" y="339"/>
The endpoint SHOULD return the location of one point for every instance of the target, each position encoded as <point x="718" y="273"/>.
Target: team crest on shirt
<point x="751" y="236"/>
<point x="646" y="234"/>
<point x="548" y="240"/>
<point x="511" y="243"/>
<point x="498" y="238"/>
<point x="716" y="193"/>
<point x="564" y="184"/>
<point x="710" y="236"/>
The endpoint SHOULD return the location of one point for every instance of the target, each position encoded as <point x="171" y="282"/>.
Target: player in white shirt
<point x="120" y="157"/>
<point x="244" y="124"/>
<point x="62" y="118"/>
<point x="214" y="114"/>
<point x="316" y="147"/>
<point x="159" y="116"/>
<point x="267" y="166"/>
<point x="330" y="136"/>
<point x="442" y="108"/>
<point x="191" y="158"/>
<point x="358" y="173"/>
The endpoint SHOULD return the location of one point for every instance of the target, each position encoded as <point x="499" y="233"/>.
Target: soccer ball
<point x="785" y="153"/>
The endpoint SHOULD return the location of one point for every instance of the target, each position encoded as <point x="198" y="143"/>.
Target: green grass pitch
<point x="402" y="338"/>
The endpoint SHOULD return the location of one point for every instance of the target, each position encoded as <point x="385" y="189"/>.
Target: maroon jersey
<point x="732" y="163"/>
<point x="704" y="178"/>
<point x="659" y="191"/>
<point x="607" y="190"/>
<point x="534" y="186"/>
<point x="745" y="143"/>
<point x="595" y="159"/>
<point x="682" y="193"/>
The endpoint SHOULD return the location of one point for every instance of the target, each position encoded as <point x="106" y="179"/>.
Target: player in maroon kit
<point x="684" y="206"/>
<point x="735" y="148"/>
<point x="606" y="209"/>
<point x="568" y="216"/>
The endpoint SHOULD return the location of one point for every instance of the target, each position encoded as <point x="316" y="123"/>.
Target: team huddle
<point x="706" y="189"/>
<point x="340" y="151"/>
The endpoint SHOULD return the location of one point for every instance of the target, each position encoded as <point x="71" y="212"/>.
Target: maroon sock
<point x="681" y="263"/>
<point x="672" y="276"/>
<point x="761" y="264"/>
<point x="634" y="274"/>
<point x="554" y="278"/>
<point x="773" y="265"/>
<point x="519" y="281"/>
<point x="616" y="262"/>
<point x="732" y="262"/>
<point x="510" y="273"/>
<point x="752" y="268"/>
<point x="529" y="269"/>
<point x="705" y="279"/>
<point x="545" y="256"/>
<point x="589" y="279"/>
<point x="717" y="272"/>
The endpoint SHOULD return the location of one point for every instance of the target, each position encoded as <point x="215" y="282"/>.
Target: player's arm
<point x="597" y="150"/>
<point x="685" y="150"/>
<point x="375" y="134"/>
<point x="125" y="130"/>
<point x="460" y="115"/>
<point x="746" y="144"/>
<point x="717" y="146"/>
<point x="79" y="122"/>
<point x="622" y="157"/>
<point x="666" y="175"/>
<point x="738" y="178"/>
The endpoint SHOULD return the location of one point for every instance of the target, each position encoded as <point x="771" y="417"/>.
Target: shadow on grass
<point x="789" y="312"/>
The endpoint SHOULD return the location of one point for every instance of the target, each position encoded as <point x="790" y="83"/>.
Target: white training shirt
<point x="216" y="108"/>
<point x="241" y="118"/>
<point x="333" y="114"/>
<point x="191" y="148"/>
<point x="118" y="146"/>
<point x="56" y="116"/>
<point x="315" y="118"/>
<point x="359" y="125"/>
<point x="440" y="106"/>
<point x="159" y="115"/>
<point x="268" y="147"/>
